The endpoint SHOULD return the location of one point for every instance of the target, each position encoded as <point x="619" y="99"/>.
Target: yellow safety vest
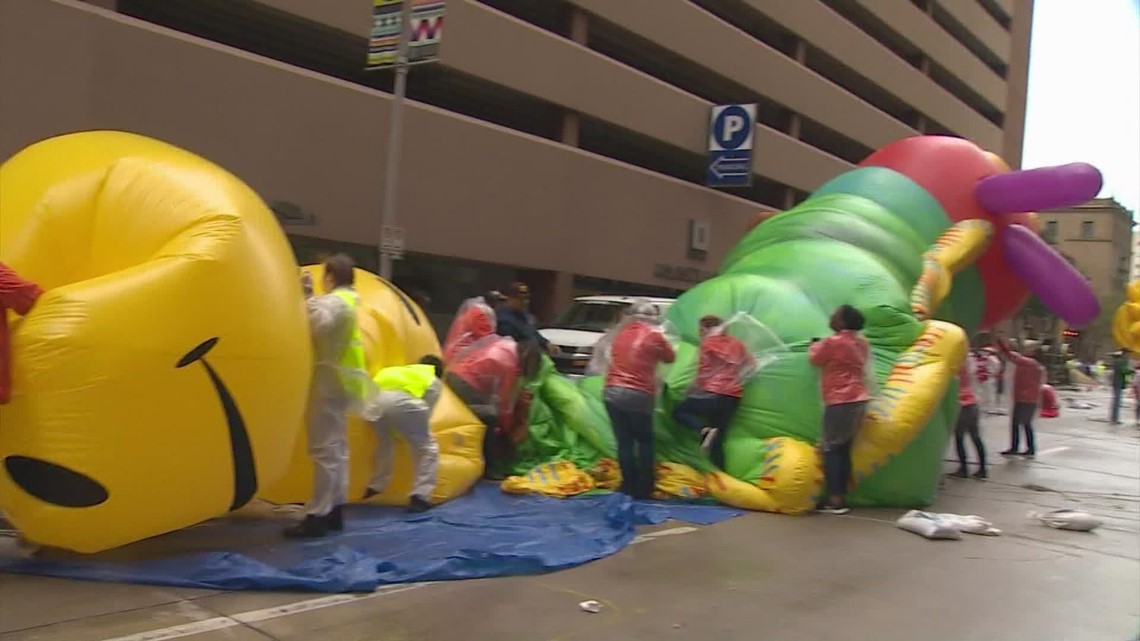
<point x="413" y="379"/>
<point x="353" y="368"/>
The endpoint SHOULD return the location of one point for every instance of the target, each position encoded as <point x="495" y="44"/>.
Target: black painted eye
<point x="53" y="483"/>
<point x="198" y="353"/>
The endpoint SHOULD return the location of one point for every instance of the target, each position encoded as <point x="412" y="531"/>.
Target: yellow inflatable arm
<point x="954" y="251"/>
<point x="160" y="379"/>
<point x="395" y="332"/>
<point x="1126" y="322"/>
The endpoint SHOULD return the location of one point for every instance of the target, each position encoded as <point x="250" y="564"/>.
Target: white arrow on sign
<point x="725" y="166"/>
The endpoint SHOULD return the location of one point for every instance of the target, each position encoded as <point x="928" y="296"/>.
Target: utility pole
<point x="395" y="129"/>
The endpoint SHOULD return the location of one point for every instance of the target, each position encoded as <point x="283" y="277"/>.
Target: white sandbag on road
<point x="936" y="526"/>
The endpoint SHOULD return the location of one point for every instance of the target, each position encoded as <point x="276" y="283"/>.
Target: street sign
<point x="731" y="131"/>
<point x="392" y="241"/>
<point x="425" y="32"/>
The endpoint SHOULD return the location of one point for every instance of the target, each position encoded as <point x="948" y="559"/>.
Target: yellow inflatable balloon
<point x="395" y="332"/>
<point x="1126" y="321"/>
<point x="161" y="378"/>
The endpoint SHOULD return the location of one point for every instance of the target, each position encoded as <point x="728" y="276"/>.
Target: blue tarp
<point x="484" y="534"/>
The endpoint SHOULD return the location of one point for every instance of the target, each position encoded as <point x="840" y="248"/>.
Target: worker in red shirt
<point x="723" y="366"/>
<point x="18" y="295"/>
<point x="968" y="425"/>
<point x="1028" y="375"/>
<point x="475" y="320"/>
<point x="631" y="394"/>
<point x="489" y="376"/>
<point x="842" y="361"/>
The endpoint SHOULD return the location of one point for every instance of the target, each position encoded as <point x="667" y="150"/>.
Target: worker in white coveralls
<point x="340" y="383"/>
<point x="406" y="397"/>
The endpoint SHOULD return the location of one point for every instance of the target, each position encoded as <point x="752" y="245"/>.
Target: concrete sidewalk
<point x="759" y="576"/>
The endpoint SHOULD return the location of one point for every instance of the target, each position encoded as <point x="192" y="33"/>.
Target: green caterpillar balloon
<point x="932" y="238"/>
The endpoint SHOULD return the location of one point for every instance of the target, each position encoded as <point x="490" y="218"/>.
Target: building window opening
<point x="1088" y="229"/>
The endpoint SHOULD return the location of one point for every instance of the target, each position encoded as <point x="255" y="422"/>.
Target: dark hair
<point x="340" y="268"/>
<point x="492" y="297"/>
<point x="711" y="321"/>
<point x="530" y="358"/>
<point x="850" y="317"/>
<point x="434" y="361"/>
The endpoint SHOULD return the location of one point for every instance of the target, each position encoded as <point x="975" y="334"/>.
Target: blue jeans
<point x="705" y="409"/>
<point x="631" y="413"/>
<point x="837" y="469"/>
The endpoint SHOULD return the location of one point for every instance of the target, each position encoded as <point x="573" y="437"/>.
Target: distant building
<point x="1097" y="236"/>
<point x="1135" y="273"/>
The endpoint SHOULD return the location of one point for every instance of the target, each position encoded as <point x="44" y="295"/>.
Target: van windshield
<point x="591" y="316"/>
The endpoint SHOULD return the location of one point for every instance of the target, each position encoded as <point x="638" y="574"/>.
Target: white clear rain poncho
<point x="734" y="351"/>
<point x="639" y="311"/>
<point x="474" y="320"/>
<point x="490" y="366"/>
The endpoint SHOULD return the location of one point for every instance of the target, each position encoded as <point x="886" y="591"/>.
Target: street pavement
<point x="757" y="577"/>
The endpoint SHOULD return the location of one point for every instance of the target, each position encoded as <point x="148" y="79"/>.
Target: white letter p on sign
<point x="732" y="125"/>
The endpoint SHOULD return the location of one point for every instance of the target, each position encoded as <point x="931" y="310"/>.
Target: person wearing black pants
<point x="842" y="360"/>
<point x="722" y="367"/>
<point x="968" y="426"/>
<point x="630" y="395"/>
<point x="1027" y="380"/>
<point x="631" y="413"/>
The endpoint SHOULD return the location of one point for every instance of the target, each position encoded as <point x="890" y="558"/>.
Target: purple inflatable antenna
<point x="1036" y="189"/>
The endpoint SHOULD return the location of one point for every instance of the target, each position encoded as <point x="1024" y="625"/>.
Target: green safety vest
<point x="353" y="368"/>
<point x="413" y="379"/>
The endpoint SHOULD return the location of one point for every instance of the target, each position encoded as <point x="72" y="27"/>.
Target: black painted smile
<point x="58" y="485"/>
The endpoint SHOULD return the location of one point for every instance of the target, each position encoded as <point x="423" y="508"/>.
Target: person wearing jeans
<point x="1121" y="368"/>
<point x="1027" y="379"/>
<point x="968" y="426"/>
<point x="841" y="359"/>
<point x="723" y="365"/>
<point x="631" y="394"/>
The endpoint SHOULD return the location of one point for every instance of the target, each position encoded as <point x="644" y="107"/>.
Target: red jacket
<point x="18" y="295"/>
<point x="1028" y="375"/>
<point x="637" y="349"/>
<point x="475" y="321"/>
<point x="966" y="395"/>
<point x="842" y="359"/>
<point x="723" y="365"/>
<point x="491" y="367"/>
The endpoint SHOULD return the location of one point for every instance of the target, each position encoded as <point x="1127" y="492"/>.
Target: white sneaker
<point x="707" y="440"/>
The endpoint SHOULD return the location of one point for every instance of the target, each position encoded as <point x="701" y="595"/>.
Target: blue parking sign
<point x="731" y="132"/>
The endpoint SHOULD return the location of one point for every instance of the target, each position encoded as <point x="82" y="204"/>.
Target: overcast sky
<point x="1084" y="91"/>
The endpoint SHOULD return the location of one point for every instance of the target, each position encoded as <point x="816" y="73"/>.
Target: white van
<point x="585" y="322"/>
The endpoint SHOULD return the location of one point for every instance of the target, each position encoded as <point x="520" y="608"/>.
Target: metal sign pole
<point x="395" y="129"/>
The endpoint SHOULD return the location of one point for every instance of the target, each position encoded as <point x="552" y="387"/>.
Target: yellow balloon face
<point x="395" y="331"/>
<point x="161" y="379"/>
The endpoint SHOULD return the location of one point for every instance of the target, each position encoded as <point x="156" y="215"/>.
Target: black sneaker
<point x="313" y="527"/>
<point x="981" y="474"/>
<point x="961" y="473"/>
<point x="418" y="504"/>
<point x="1010" y="452"/>
<point x="335" y="519"/>
<point x="835" y="509"/>
<point x="369" y="493"/>
<point x="1028" y="454"/>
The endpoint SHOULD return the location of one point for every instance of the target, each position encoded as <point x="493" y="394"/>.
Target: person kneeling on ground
<point x="489" y="377"/>
<point x="842" y="359"/>
<point x="631" y="394"/>
<point x="723" y="365"/>
<point x="407" y="396"/>
<point x="968" y="426"/>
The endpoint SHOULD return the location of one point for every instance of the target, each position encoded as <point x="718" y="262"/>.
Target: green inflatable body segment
<point x="864" y="239"/>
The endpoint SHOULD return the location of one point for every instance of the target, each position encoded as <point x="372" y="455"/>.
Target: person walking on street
<point x="340" y="379"/>
<point x="1121" y="369"/>
<point x="968" y="424"/>
<point x="1027" y="378"/>
<point x="723" y="365"/>
<point x="407" y="395"/>
<point x="842" y="360"/>
<point x="514" y="320"/>
<point x="630" y="396"/>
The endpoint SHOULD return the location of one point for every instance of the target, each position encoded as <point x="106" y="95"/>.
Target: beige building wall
<point x="1097" y="237"/>
<point x="562" y="139"/>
